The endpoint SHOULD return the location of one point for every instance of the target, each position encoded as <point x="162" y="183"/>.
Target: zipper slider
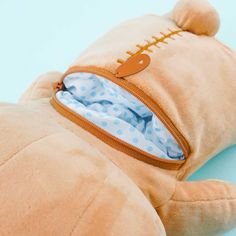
<point x="58" y="86"/>
<point x="133" y="65"/>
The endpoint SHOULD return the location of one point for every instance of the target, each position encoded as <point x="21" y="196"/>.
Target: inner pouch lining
<point x="119" y="113"/>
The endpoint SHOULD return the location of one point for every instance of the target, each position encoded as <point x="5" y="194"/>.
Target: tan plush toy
<point x="107" y="151"/>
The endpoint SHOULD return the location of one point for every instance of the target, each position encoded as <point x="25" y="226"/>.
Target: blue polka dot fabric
<point x="118" y="112"/>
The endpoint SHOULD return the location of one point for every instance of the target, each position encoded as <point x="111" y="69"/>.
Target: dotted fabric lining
<point x="118" y="112"/>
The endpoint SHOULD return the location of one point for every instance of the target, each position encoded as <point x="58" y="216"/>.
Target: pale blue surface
<point x="37" y="36"/>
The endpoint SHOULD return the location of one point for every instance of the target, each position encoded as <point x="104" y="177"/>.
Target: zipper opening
<point x="145" y="99"/>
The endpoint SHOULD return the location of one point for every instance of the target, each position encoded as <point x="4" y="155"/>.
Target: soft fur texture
<point x="198" y="17"/>
<point x="85" y="187"/>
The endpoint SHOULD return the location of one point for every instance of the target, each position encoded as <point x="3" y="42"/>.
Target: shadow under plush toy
<point x="106" y="153"/>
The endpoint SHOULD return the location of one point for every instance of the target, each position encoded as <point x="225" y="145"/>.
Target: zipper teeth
<point x="142" y="48"/>
<point x="126" y="147"/>
<point x="155" y="108"/>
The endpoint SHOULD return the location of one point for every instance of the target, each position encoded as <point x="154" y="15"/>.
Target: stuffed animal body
<point x="105" y="148"/>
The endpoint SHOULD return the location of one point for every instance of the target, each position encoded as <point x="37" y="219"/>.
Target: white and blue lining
<point x="119" y="113"/>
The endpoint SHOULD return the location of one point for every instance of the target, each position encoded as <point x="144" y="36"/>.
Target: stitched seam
<point x="88" y="205"/>
<point x="100" y="151"/>
<point x="204" y="200"/>
<point x="197" y="201"/>
<point x="74" y="133"/>
<point x="26" y="146"/>
<point x="155" y="43"/>
<point x="170" y="199"/>
<point x="111" y="161"/>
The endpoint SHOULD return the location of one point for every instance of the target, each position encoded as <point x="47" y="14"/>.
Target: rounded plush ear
<point x="196" y="16"/>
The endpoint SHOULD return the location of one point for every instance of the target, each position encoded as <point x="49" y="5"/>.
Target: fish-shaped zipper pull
<point x="133" y="65"/>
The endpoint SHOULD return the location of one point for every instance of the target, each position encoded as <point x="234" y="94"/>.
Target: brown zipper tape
<point x="112" y="140"/>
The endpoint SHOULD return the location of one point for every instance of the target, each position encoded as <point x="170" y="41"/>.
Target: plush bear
<point x="105" y="148"/>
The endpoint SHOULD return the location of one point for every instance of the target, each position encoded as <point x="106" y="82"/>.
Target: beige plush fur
<point x="58" y="179"/>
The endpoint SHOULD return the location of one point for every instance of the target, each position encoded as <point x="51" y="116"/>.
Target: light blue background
<point x="43" y="35"/>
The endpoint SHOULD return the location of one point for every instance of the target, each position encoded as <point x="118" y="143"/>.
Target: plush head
<point x="176" y="64"/>
<point x="185" y="70"/>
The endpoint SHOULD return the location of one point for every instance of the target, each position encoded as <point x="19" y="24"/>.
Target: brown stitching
<point x="120" y="61"/>
<point x="148" y="50"/>
<point x="139" y="46"/>
<point x="154" y="37"/>
<point x="155" y="43"/>
<point x="130" y="53"/>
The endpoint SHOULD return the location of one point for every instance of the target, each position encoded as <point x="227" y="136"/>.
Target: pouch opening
<point x="118" y="112"/>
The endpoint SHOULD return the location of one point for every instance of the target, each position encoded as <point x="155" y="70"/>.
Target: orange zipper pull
<point x="133" y="65"/>
<point x="58" y="86"/>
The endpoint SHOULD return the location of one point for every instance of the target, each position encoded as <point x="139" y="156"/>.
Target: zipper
<point x="112" y="140"/>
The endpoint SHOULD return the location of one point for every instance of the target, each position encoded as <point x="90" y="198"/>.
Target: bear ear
<point x="196" y="16"/>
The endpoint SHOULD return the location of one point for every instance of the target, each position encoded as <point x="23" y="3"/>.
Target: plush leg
<point x="200" y="208"/>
